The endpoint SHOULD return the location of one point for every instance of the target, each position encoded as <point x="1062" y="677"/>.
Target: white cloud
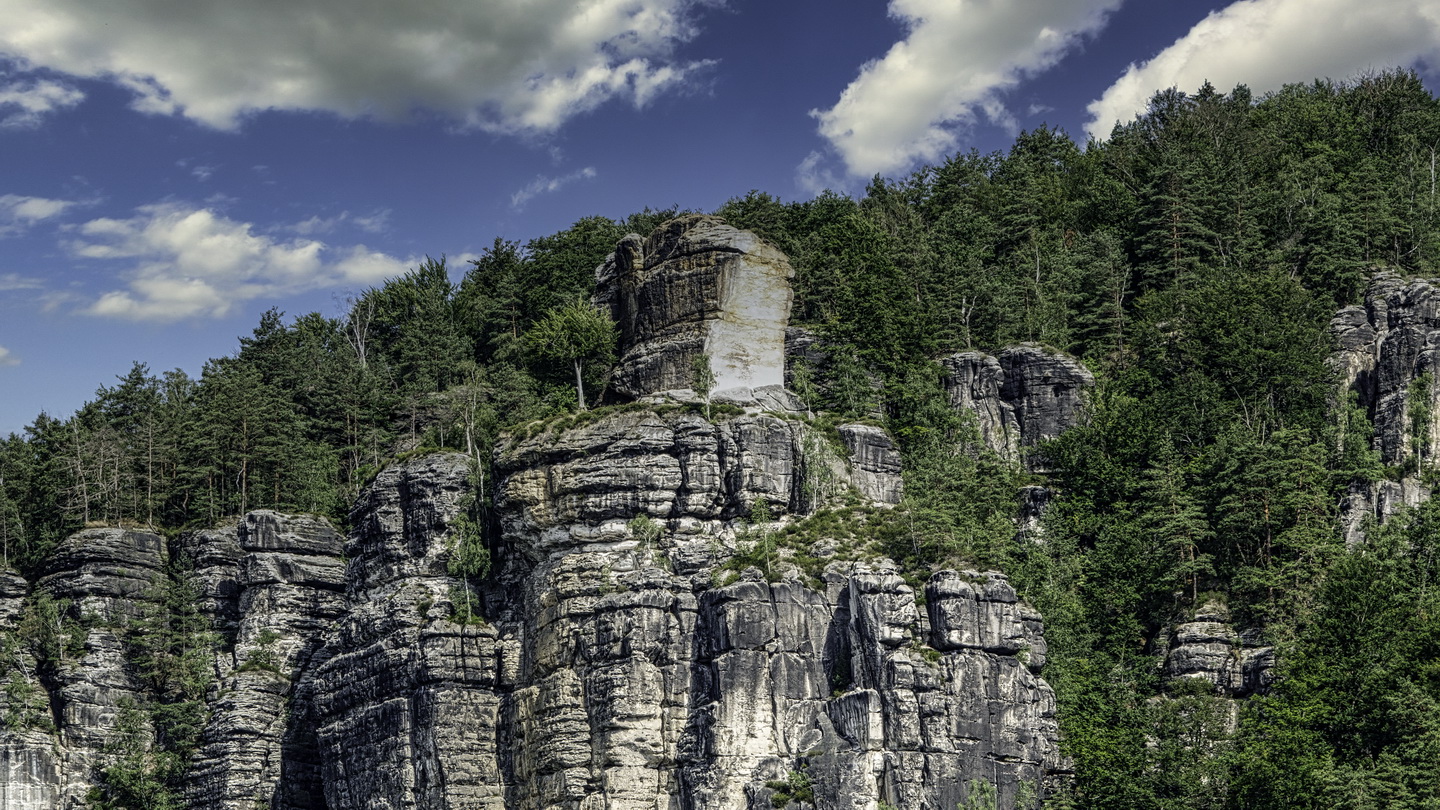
<point x="26" y="103"/>
<point x="185" y="262"/>
<point x="18" y="212"/>
<point x="15" y="281"/>
<point x="813" y="177"/>
<point x="546" y="185"/>
<point x="8" y="359"/>
<point x="1266" y="44"/>
<point x="956" y="58"/>
<point x="375" y="222"/>
<point x="502" y="65"/>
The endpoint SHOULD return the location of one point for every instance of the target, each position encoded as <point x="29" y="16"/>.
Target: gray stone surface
<point x="104" y="571"/>
<point x="282" y="578"/>
<point x="697" y="284"/>
<point x="1209" y="648"/>
<point x="105" y="575"/>
<point x="1383" y="348"/>
<point x="1019" y="398"/>
<point x="874" y="462"/>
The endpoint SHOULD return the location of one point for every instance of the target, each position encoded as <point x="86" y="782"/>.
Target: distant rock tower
<point x="698" y="285"/>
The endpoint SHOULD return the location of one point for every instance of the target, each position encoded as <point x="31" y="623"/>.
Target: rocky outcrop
<point x="615" y="666"/>
<point x="698" y="285"/>
<point x="214" y="555"/>
<point x="1384" y="347"/>
<point x="874" y="462"/>
<point x="1387" y="353"/>
<point x="30" y="765"/>
<point x="1020" y="398"/>
<point x="643" y="639"/>
<point x="105" y="574"/>
<point x="290" y="578"/>
<point x="1208" y="648"/>
<point x="408" y="696"/>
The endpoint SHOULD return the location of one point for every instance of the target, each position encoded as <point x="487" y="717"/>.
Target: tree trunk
<point x="579" y="385"/>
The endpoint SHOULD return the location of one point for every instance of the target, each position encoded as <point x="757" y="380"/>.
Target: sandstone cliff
<point x="1019" y="398"/>
<point x="1388" y="350"/>
<point x="641" y="640"/>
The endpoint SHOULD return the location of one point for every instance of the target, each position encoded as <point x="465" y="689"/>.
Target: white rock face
<point x="698" y="285"/>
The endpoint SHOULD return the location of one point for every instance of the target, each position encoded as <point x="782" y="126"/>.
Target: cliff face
<point x="698" y="285"/>
<point x="1388" y="350"/>
<point x="611" y="669"/>
<point x="1020" y="398"/>
<point x="641" y="641"/>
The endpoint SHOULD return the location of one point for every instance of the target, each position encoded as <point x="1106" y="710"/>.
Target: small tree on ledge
<point x="576" y="333"/>
<point x="702" y="378"/>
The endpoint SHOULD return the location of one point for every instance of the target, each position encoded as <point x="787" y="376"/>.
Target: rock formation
<point x="1021" y="397"/>
<point x="642" y="640"/>
<point x="1388" y="354"/>
<point x="1209" y="648"/>
<point x="698" y="285"/>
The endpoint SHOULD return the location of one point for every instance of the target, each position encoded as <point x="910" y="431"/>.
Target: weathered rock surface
<point x="1386" y="350"/>
<point x="1020" y="398"/>
<point x="874" y="462"/>
<point x="215" y="555"/>
<point x="290" y="579"/>
<point x="698" y="285"/>
<point x="1384" y="347"/>
<point x="1209" y="648"/>
<point x="30" y="766"/>
<point x="66" y="713"/>
<point x="406" y="700"/>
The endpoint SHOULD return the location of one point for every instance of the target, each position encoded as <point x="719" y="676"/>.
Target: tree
<point x="575" y="333"/>
<point x="702" y="378"/>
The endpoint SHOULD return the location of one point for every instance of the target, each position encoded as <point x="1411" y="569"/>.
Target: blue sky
<point x="170" y="171"/>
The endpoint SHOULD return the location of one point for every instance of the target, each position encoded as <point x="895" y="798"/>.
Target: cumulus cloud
<point x="501" y="65"/>
<point x="547" y="185"/>
<point x="955" y="60"/>
<point x="1268" y="43"/>
<point x="186" y="262"/>
<point x="18" y="212"/>
<point x="8" y="359"/>
<point x="26" y="103"/>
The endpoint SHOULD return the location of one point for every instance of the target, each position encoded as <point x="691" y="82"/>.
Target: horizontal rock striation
<point x="1021" y="397"/>
<point x="698" y="285"/>
<point x="1387" y="353"/>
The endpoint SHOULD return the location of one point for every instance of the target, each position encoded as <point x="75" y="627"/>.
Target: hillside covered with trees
<point x="1194" y="261"/>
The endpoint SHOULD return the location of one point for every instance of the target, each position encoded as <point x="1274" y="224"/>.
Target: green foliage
<point x="262" y="657"/>
<point x="469" y="561"/>
<point x="137" y="776"/>
<point x="645" y="529"/>
<point x="979" y="795"/>
<point x="25" y="704"/>
<point x="576" y="334"/>
<point x="795" y="788"/>
<point x="53" y="635"/>
<point x="170" y="644"/>
<point x="702" y="378"/>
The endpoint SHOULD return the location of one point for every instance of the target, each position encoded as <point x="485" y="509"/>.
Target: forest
<point x="1193" y="260"/>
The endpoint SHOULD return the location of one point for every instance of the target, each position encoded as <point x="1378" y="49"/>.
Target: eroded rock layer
<point x="1020" y="397"/>
<point x="1387" y="354"/>
<point x="698" y="285"/>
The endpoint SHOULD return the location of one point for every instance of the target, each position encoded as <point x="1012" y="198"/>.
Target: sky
<point x="169" y="171"/>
